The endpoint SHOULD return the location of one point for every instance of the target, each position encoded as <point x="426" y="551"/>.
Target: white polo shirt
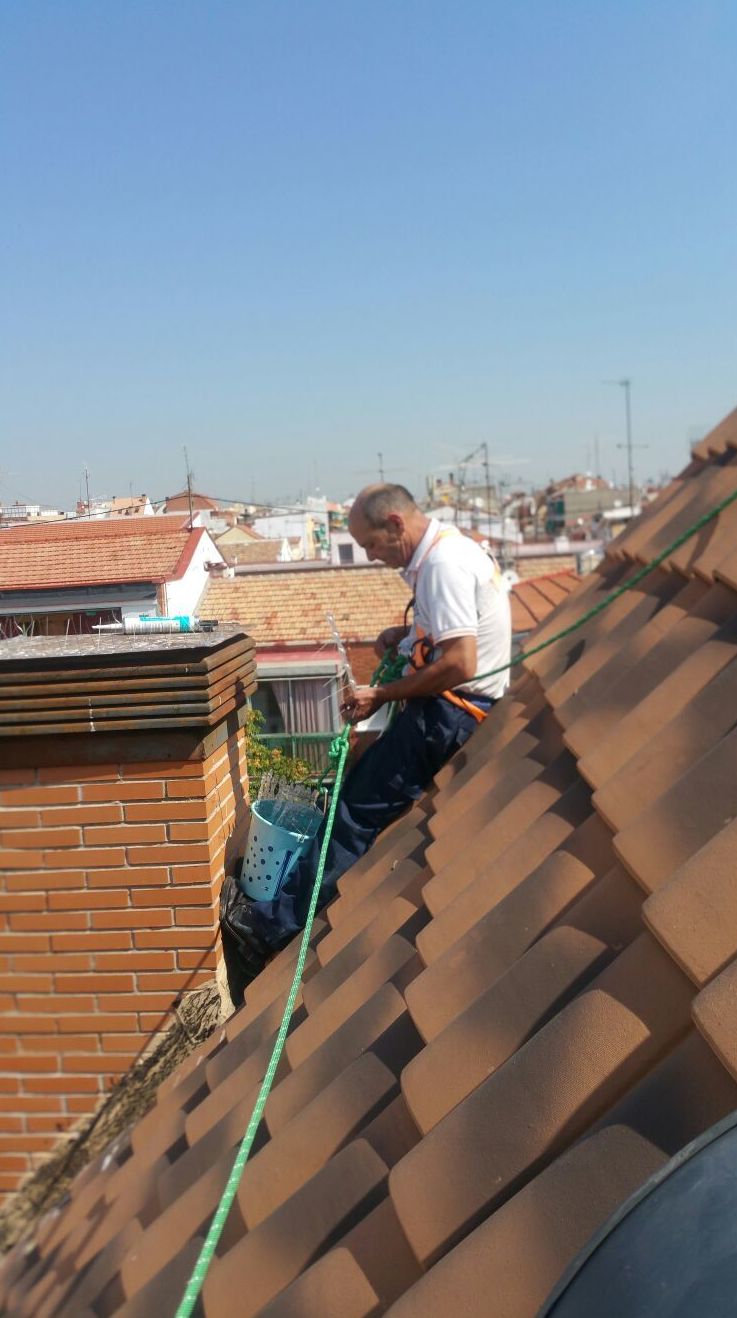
<point x="459" y="591"/>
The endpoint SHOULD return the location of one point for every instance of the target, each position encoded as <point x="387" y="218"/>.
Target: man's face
<point x="388" y="543"/>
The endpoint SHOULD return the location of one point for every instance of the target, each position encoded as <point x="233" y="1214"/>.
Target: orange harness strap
<point x="422" y="645"/>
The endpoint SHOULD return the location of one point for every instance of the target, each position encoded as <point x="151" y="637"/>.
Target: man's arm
<point x="455" y="663"/>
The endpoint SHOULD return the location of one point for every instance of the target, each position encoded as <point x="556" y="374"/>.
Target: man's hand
<point x="389" y="639"/>
<point x="362" y="703"/>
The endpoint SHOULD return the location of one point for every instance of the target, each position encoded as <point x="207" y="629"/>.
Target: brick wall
<point x="110" y="874"/>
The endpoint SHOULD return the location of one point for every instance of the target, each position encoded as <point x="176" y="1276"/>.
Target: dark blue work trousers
<point x="392" y="773"/>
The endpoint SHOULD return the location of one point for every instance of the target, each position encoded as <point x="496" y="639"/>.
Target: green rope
<point x="339" y="752"/>
<point x="390" y="668"/>
<point x="386" y="673"/>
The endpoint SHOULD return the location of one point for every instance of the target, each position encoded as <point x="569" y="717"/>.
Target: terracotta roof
<point x="534" y="599"/>
<point x="522" y="1002"/>
<point x="95" y="551"/>
<point x="291" y="605"/>
<point x="257" y="551"/>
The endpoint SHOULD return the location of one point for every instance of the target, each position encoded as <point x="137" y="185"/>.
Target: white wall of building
<point x="183" y="595"/>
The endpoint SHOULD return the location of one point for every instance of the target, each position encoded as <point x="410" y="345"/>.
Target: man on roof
<point x="461" y="627"/>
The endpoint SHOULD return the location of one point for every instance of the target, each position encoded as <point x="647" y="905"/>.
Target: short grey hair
<point x="376" y="502"/>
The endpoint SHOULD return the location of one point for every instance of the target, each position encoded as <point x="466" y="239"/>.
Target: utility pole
<point x="189" y="485"/>
<point x="626" y="384"/>
<point x="87" y="484"/>
<point x="380" y="456"/>
<point x="485" y="447"/>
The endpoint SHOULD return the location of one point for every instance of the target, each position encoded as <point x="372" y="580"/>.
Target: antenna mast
<point x="189" y="485"/>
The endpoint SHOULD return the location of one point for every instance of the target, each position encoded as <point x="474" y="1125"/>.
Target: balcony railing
<point x="309" y="746"/>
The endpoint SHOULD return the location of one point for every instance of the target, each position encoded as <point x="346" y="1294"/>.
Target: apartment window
<point x="345" y="553"/>
<point x="301" y="713"/>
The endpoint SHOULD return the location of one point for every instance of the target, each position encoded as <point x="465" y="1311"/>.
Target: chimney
<point x="123" y="801"/>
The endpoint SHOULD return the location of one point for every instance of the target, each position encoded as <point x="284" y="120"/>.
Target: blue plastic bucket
<point x="273" y="851"/>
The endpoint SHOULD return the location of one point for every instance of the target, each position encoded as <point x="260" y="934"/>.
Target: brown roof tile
<point x="522" y="1001"/>
<point x="56" y="555"/>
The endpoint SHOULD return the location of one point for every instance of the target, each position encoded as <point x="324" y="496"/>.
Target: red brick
<point x="56" y="1002"/>
<point x="80" y="1106"/>
<point x="25" y="1143"/>
<point x="188" y="787"/>
<point x="20" y="942"/>
<point x="9" y="1085"/>
<point x="22" y="860"/>
<point x="80" y="814"/>
<point x="125" y="834"/>
<point x="136" y="1001"/>
<point x="174" y="981"/>
<point x="155" y="1022"/>
<point x="194" y="960"/>
<point x="173" y="895"/>
<point x="12" y="1162"/>
<point x="41" y="796"/>
<point x="60" y="1043"/>
<point x="22" y="901"/>
<point x="91" y="940"/>
<point x="182" y="874"/>
<point x="150" y="918"/>
<point x="128" y="877"/>
<point x="173" y="938"/>
<point x="18" y="818"/>
<point x="50" y="920"/>
<point x="102" y="1021"/>
<point x="7" y="1002"/>
<point x="88" y="857"/>
<point x="40" y="1063"/>
<point x="135" y="961"/>
<point x="122" y="1043"/>
<point x="50" y="1123"/>
<point x="41" y="837"/>
<point x="95" y="1064"/>
<point x="31" y="1104"/>
<point x="192" y="915"/>
<point x="168" y="854"/>
<point x="95" y="983"/>
<point x="41" y="880"/>
<point x="61" y="1084"/>
<point x="59" y="963"/>
<point x="25" y="983"/>
<point x="122" y="791"/>
<point x="22" y="1023"/>
<point x="11" y="1125"/>
<point x="87" y="900"/>
<point x="165" y="810"/>
<point x="188" y="832"/>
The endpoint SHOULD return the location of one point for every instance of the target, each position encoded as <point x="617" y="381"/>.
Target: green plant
<point x="261" y="758"/>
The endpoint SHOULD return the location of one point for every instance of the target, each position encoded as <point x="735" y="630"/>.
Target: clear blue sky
<point x="292" y="233"/>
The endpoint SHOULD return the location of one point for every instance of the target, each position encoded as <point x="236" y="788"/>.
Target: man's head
<point x="386" y="522"/>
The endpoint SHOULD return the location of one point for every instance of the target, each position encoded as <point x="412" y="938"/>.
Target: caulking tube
<point x="147" y="624"/>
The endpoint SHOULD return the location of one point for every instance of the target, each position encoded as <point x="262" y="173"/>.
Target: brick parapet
<point x="110" y="875"/>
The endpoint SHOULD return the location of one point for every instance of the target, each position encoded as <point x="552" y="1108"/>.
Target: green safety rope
<point x="338" y="753"/>
<point x="387" y="671"/>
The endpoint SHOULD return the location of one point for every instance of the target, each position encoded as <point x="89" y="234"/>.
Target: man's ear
<point x="395" y="522"/>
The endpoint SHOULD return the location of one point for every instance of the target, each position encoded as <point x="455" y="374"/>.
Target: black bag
<point x="244" y="950"/>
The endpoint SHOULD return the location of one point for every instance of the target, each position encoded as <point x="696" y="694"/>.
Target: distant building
<point x="575" y="506"/>
<point x="61" y="578"/>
